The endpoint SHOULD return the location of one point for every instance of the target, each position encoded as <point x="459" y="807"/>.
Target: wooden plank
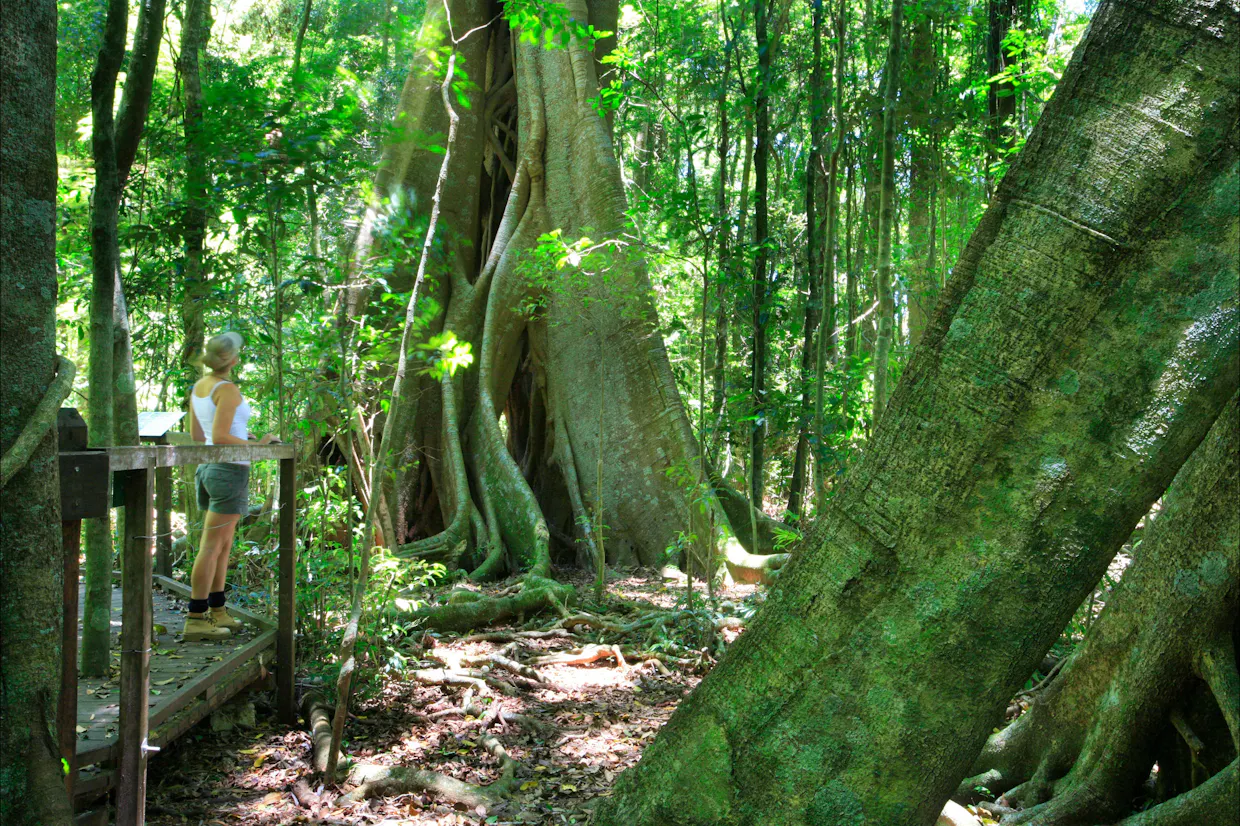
<point x="176" y="725"/>
<point x="286" y="652"/>
<point x="66" y="708"/>
<point x="141" y="456"/>
<point x="209" y="677"/>
<point x="163" y="521"/>
<point x="84" y="482"/>
<point x="182" y="590"/>
<point x="97" y="753"/>
<point x="135" y="648"/>
<point x="96" y="784"/>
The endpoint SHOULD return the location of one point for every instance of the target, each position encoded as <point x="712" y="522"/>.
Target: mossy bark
<point x="1086" y="344"/>
<point x="1081" y="752"/>
<point x="105" y="264"/>
<point x="532" y="156"/>
<point x="30" y="550"/>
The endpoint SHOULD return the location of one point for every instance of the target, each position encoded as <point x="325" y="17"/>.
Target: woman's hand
<point x="268" y="439"/>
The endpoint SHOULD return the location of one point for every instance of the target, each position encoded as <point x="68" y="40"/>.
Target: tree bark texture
<point x="761" y="264"/>
<point x="886" y="214"/>
<point x="1088" y="340"/>
<point x="195" y="31"/>
<point x="1082" y="751"/>
<point x="105" y="261"/>
<point x="1001" y="95"/>
<point x="536" y="331"/>
<point x="811" y="357"/>
<point x="918" y="106"/>
<point x="31" y="790"/>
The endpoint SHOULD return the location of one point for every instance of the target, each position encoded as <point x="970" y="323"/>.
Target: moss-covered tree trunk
<point x="195" y="31"/>
<point x="1082" y="751"/>
<point x="105" y="263"/>
<point x="1086" y="344"/>
<point x="532" y="156"/>
<point x="30" y="553"/>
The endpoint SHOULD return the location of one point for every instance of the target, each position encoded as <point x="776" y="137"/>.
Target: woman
<point x="218" y="416"/>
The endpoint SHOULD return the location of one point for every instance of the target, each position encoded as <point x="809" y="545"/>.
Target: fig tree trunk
<point x="1082" y="751"/>
<point x="1087" y="342"/>
<point x="531" y="266"/>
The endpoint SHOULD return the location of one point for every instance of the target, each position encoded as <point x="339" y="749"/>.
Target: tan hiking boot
<point x="225" y="620"/>
<point x="203" y="628"/>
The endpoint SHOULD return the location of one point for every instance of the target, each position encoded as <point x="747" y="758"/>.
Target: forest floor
<point x="583" y="726"/>
<point x="572" y="735"/>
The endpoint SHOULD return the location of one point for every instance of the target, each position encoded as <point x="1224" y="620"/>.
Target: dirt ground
<point x="584" y="725"/>
<point x="571" y="734"/>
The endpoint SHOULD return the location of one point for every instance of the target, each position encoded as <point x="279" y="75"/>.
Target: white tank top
<point x="204" y="411"/>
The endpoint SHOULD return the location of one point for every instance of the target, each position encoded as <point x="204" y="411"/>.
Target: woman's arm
<point x="227" y="400"/>
<point x="195" y="429"/>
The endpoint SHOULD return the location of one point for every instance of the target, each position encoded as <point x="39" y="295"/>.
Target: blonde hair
<point x="220" y="351"/>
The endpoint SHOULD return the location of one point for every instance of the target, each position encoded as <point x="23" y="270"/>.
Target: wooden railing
<point x="135" y="470"/>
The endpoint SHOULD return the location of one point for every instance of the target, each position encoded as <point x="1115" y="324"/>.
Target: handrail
<point x="155" y="456"/>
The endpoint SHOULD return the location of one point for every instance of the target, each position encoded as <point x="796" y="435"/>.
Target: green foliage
<point x="549" y="23"/>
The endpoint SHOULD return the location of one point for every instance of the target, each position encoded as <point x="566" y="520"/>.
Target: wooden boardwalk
<point x="159" y="687"/>
<point x="188" y="680"/>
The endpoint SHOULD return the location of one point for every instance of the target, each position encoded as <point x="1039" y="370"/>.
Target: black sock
<point x="198" y="606"/>
<point x="215" y="599"/>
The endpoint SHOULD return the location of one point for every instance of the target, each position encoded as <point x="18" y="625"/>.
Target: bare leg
<point x="227" y="532"/>
<point x="214" y="526"/>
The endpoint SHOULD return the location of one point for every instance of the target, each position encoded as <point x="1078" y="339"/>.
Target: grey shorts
<point x="223" y="488"/>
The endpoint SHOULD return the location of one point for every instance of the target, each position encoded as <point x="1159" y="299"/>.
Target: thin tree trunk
<point x="818" y="286"/>
<point x="379" y="463"/>
<point x="105" y="260"/>
<point x="1000" y="95"/>
<point x="828" y="344"/>
<point x="886" y="215"/>
<point x="724" y="223"/>
<point x="301" y="38"/>
<point x="918" y="100"/>
<point x="195" y="31"/>
<point x="130" y="126"/>
<point x="762" y="152"/>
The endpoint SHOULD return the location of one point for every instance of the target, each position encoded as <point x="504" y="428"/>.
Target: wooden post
<point x="135" y="646"/>
<point x="286" y="654"/>
<point x="66" y="709"/>
<point x="163" y="521"/>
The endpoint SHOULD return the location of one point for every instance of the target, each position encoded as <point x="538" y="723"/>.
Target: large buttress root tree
<point x="1082" y="751"/>
<point x="571" y="357"/>
<point x="1086" y="344"/>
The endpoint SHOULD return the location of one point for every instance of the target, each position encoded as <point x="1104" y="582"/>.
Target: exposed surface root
<point x="538" y="594"/>
<point x="318" y="716"/>
<point x="748" y="568"/>
<point x="582" y="656"/>
<point x="1215" y="801"/>
<point x="386" y="781"/>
